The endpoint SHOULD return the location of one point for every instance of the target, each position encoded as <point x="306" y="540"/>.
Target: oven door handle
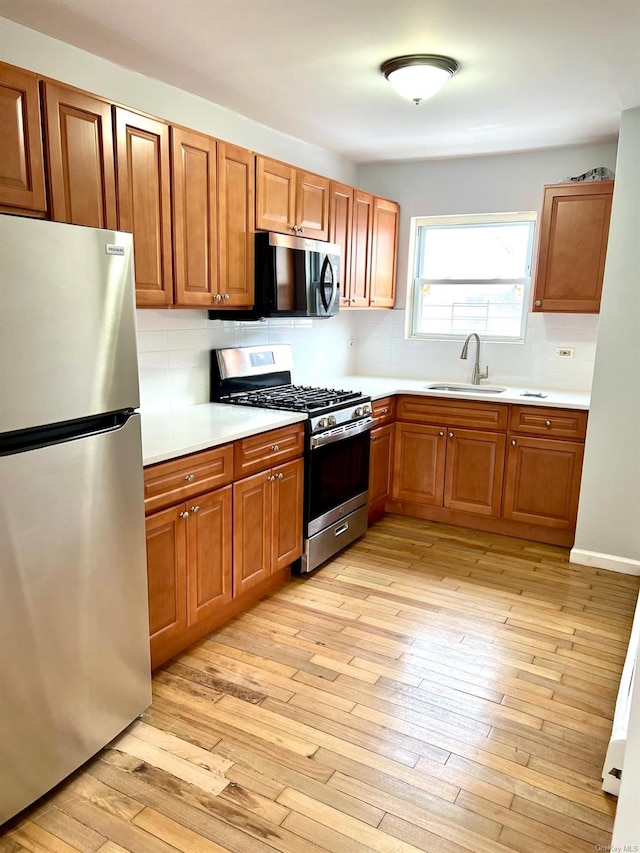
<point x="341" y="433"/>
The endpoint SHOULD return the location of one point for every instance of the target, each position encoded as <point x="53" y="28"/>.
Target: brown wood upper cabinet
<point x="574" y="229"/>
<point x="80" y="153"/>
<point x="291" y="201"/>
<point x="194" y="208"/>
<point x="384" y="253"/>
<point x="236" y="225"/>
<point x="144" y="202"/>
<point x="22" y="187"/>
<point x="366" y="229"/>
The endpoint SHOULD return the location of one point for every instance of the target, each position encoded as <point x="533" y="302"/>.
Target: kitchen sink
<point x="465" y="389"/>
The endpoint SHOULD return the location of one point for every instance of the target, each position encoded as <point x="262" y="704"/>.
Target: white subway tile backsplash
<point x="149" y="341"/>
<point x="174" y="351"/>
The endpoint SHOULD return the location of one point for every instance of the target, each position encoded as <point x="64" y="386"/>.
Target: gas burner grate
<point x="297" y="398"/>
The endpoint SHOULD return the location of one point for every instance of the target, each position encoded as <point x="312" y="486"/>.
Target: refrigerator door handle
<point x="23" y="440"/>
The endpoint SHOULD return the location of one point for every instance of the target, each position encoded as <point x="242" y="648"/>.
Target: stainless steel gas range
<point x="337" y="441"/>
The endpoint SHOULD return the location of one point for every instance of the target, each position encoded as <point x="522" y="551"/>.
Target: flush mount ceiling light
<point x="419" y="76"/>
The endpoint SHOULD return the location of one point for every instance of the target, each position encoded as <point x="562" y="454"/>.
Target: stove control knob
<point x="323" y="423"/>
<point x="332" y="420"/>
<point x="359" y="412"/>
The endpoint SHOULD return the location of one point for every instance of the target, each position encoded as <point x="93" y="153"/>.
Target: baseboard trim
<point x="609" y="562"/>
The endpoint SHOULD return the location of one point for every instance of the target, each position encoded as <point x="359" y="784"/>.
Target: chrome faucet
<point x="476" y="376"/>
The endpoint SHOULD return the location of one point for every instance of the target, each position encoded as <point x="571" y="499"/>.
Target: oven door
<point x="337" y="480"/>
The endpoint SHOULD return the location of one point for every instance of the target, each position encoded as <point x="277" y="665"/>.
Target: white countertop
<point x="178" y="432"/>
<point x="383" y="386"/>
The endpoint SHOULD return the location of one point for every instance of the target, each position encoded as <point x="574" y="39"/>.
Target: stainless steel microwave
<point x="294" y="277"/>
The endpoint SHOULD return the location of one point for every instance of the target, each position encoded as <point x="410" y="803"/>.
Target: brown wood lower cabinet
<point x="459" y="469"/>
<point x="542" y="481"/>
<point x="514" y="483"/>
<point x="267" y="523"/>
<point x="380" y="466"/>
<point x="224" y="544"/>
<point x="188" y="566"/>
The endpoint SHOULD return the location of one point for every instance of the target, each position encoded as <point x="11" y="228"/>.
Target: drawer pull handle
<point x="547" y="423"/>
<point x="195" y="509"/>
<point x="190" y="478"/>
<point x="184" y="514"/>
<point x="342" y="529"/>
<point x="513" y="442"/>
<point x="275" y="448"/>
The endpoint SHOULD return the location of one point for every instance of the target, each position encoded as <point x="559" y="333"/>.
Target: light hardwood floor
<point x="430" y="689"/>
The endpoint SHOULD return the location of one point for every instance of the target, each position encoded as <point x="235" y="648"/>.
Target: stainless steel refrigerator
<point x="74" y="638"/>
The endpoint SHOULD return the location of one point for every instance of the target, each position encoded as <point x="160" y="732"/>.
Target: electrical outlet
<point x="565" y="352"/>
<point x="351" y="342"/>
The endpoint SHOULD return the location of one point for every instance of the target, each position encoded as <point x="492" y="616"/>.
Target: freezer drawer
<point x="74" y="643"/>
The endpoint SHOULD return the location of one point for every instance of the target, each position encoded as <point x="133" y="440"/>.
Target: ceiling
<point x="534" y="73"/>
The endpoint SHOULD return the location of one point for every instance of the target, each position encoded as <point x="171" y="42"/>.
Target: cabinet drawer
<point x="559" y="423"/>
<point x="384" y="411"/>
<point x="171" y="482"/>
<point x="266" y="449"/>
<point x="461" y="413"/>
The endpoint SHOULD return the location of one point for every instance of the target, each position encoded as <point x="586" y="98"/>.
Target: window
<point x="471" y="274"/>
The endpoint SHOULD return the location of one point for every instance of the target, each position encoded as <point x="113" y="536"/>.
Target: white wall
<point x="492" y="184"/>
<point x="609" y="513"/>
<point x="52" y="58"/>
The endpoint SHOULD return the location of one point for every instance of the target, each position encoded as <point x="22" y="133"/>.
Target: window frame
<point x="413" y="308"/>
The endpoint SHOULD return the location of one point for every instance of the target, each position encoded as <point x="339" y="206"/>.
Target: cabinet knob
<point x="190" y="478"/>
<point x="195" y="509"/>
<point x="441" y="433"/>
<point x="270" y="478"/>
<point x="450" y="435"/>
<point x="226" y="296"/>
<point x="384" y="411"/>
<point x="281" y="476"/>
<point x="301" y="230"/>
<point x="513" y="442"/>
<point x="373" y="301"/>
<point x="374" y="438"/>
<point x="275" y="448"/>
<point x="217" y="297"/>
<point x="184" y="514"/>
<point x="547" y="423"/>
<point x="537" y="303"/>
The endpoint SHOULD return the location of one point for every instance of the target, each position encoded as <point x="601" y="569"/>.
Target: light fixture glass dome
<point x="420" y="75"/>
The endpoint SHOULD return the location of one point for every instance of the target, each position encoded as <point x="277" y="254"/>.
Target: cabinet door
<point x="251" y="531"/>
<point x="384" y="253"/>
<point x="82" y="178"/>
<point x="195" y="231"/>
<point x="312" y="206"/>
<point x="144" y="202"/>
<point x="340" y="225"/>
<point x="275" y="196"/>
<point x="542" y="482"/>
<point x="418" y="468"/>
<point x="287" y="514"/>
<point x="166" y="576"/>
<point x="381" y="464"/>
<point x="474" y="471"/>
<point x="21" y="161"/>
<point x="361" y="249"/>
<point x="209" y="553"/>
<point x="236" y="225"/>
<point x="573" y="245"/>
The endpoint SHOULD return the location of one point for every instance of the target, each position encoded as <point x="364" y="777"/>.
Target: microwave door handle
<point x="328" y="305"/>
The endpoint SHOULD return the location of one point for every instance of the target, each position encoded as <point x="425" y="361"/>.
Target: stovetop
<point x="296" y="398"/>
<point x="261" y="376"/>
